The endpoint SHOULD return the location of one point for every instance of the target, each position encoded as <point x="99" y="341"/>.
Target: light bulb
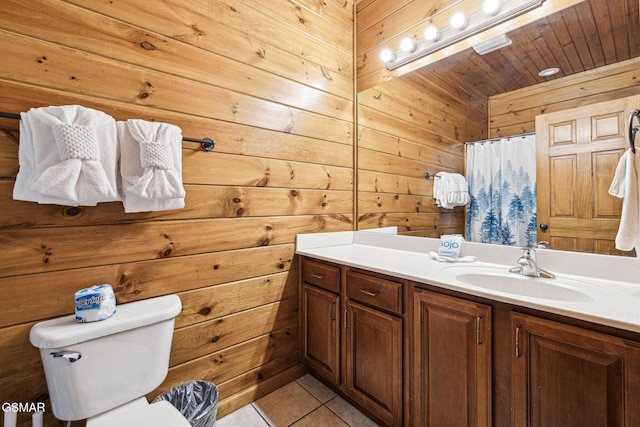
<point x="491" y="7"/>
<point x="387" y="55"/>
<point x="458" y="20"/>
<point x="407" y="45"/>
<point x="431" y="33"/>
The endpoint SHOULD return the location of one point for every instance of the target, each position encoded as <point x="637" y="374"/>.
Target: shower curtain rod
<point x="207" y="144"/>
<point x="498" y="139"/>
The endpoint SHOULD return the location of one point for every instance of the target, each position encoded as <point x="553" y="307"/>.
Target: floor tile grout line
<point x="323" y="404"/>
<point x="309" y="390"/>
<point x="336" y="414"/>
<point x="261" y="416"/>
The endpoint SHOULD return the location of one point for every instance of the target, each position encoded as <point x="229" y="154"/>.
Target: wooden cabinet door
<point x="374" y="361"/>
<point x="321" y="329"/>
<point x="572" y="377"/>
<point x="577" y="151"/>
<point x="451" y="362"/>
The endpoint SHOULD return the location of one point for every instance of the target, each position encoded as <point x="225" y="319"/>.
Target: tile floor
<point x="306" y="402"/>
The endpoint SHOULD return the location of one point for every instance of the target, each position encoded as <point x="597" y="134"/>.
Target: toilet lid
<point x="160" y="414"/>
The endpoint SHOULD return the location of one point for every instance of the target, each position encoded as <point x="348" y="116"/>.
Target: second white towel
<point x="450" y="190"/>
<point x="626" y="185"/>
<point x="151" y="166"/>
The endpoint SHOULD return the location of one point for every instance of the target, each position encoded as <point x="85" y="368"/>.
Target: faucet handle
<point x="529" y="253"/>
<point x="542" y="244"/>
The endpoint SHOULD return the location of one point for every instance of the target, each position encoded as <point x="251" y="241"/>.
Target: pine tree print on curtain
<point x="502" y="186"/>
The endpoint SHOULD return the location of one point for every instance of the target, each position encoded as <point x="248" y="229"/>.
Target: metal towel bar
<point x="207" y="144"/>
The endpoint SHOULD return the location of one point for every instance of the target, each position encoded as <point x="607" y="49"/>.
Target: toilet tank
<point x="93" y="367"/>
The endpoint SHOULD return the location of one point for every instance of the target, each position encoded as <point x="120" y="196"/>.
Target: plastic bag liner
<point x="197" y="401"/>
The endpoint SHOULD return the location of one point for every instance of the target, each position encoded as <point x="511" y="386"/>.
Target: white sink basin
<point x="501" y="280"/>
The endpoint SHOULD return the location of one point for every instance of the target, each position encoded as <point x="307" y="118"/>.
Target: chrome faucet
<point x="528" y="265"/>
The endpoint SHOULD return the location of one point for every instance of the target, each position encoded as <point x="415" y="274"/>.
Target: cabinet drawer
<point x="322" y="275"/>
<point x="375" y="291"/>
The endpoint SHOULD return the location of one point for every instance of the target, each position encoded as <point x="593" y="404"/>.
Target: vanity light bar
<point x="475" y="23"/>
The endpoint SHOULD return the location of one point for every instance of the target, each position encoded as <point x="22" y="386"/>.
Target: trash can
<point x="197" y="401"/>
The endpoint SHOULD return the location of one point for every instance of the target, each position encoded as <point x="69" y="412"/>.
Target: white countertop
<point x="601" y="289"/>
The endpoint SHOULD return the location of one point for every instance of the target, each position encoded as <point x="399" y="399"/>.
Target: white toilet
<point x="101" y="371"/>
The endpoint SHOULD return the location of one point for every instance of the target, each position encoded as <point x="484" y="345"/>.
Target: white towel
<point x="68" y="155"/>
<point x="151" y="166"/>
<point x="434" y="255"/>
<point x="450" y="190"/>
<point x="617" y="187"/>
<point x="625" y="186"/>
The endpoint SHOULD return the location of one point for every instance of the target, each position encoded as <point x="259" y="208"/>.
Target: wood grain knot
<point x="205" y="311"/>
<point x="73" y="211"/>
<point x="214" y="340"/>
<point x="148" y="46"/>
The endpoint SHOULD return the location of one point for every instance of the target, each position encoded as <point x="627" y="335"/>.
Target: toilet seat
<point x="140" y="413"/>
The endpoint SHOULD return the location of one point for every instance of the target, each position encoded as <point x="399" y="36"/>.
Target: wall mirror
<point x="464" y="97"/>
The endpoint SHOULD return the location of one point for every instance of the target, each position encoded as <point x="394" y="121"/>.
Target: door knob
<point x="544" y="226"/>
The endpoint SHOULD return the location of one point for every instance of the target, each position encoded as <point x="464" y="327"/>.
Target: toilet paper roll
<point x="95" y="303"/>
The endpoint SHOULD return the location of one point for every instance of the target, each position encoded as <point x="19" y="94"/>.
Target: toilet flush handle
<point x="71" y="356"/>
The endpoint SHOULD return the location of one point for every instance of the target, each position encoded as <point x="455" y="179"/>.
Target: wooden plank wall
<point x="407" y="127"/>
<point x="514" y="112"/>
<point x="272" y="82"/>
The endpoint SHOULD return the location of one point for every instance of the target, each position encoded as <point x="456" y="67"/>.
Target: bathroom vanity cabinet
<point x="451" y="361"/>
<point x="415" y="354"/>
<point x="320" y="295"/>
<point x="569" y="376"/>
<point x="358" y="349"/>
<point x="373" y="344"/>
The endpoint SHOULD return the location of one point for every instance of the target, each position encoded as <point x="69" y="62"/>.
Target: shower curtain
<point x="502" y="188"/>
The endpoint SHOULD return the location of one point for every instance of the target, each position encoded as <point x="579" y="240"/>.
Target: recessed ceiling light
<point x="549" y="72"/>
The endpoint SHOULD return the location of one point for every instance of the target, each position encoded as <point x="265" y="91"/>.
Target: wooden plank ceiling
<point x="589" y="35"/>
